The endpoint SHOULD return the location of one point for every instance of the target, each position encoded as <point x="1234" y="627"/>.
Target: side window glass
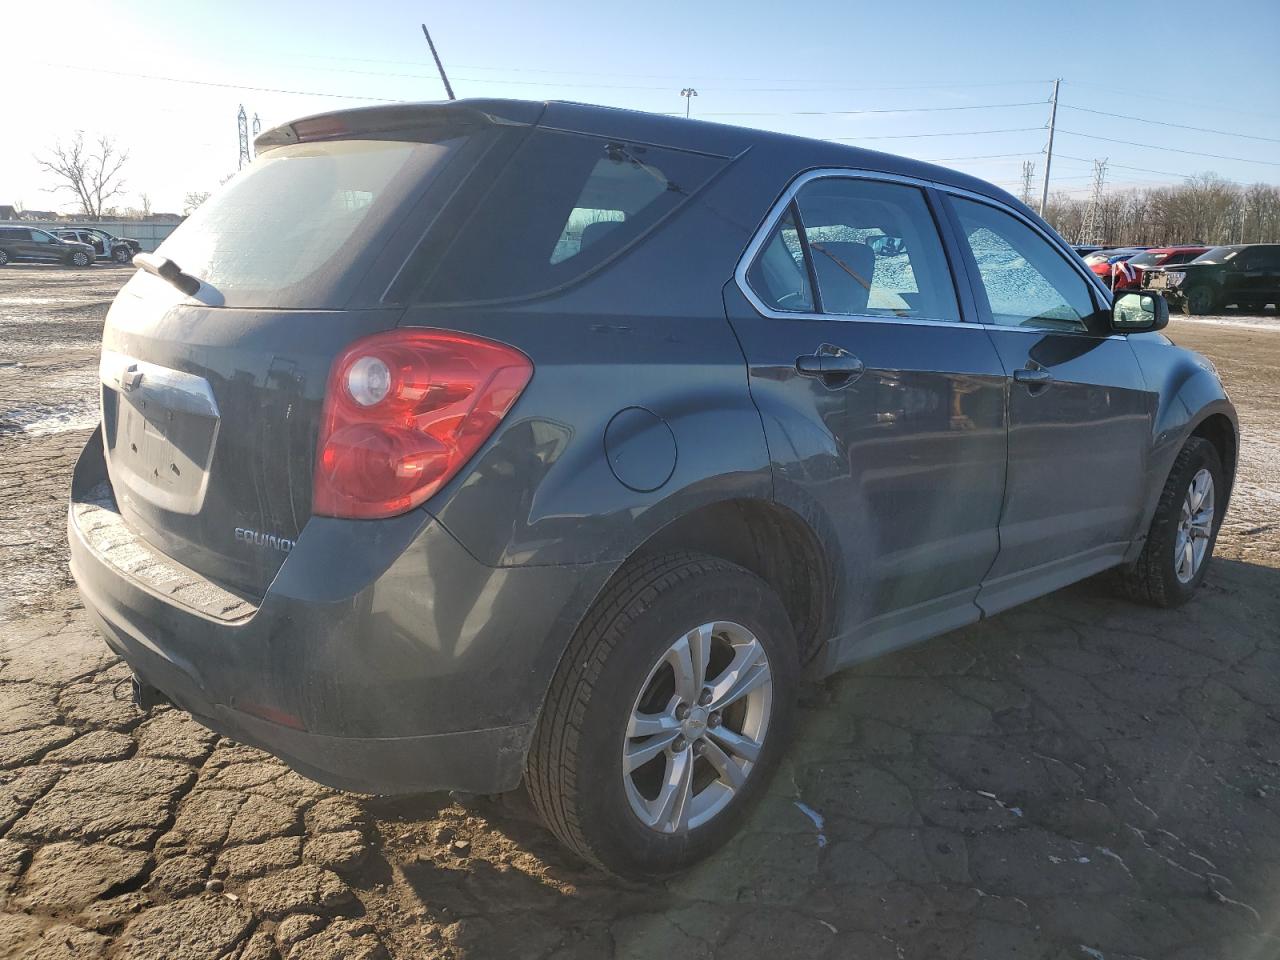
<point x="779" y="276"/>
<point x="875" y="250"/>
<point x="1028" y="284"/>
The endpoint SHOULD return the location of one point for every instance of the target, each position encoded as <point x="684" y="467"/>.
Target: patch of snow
<point x="1091" y="953"/>
<point x="41" y="419"/>
<point x="1016" y="811"/>
<point x="818" y="820"/>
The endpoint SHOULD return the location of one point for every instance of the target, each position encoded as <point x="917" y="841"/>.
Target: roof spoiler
<point x="401" y="120"/>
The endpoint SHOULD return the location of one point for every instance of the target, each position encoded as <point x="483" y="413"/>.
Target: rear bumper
<point x="384" y="658"/>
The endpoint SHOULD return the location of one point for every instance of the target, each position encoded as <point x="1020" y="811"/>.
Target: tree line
<point x="1205" y="209"/>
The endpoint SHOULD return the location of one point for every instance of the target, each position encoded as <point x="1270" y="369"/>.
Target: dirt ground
<point x="1078" y="778"/>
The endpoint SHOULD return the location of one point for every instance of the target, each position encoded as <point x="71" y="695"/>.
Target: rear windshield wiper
<point x="166" y="269"/>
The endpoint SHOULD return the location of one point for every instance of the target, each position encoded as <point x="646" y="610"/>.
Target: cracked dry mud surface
<point x="1077" y="778"/>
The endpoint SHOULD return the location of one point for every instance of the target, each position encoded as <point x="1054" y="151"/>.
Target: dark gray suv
<point x="460" y="445"/>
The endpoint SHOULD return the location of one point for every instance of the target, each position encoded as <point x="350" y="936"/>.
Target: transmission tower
<point x="1028" y="174"/>
<point x="243" y="122"/>
<point x="1091" y="229"/>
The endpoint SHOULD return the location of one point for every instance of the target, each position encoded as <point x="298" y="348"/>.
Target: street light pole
<point x="688" y="93"/>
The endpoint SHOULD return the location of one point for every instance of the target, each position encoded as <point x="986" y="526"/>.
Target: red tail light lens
<point x="403" y="412"/>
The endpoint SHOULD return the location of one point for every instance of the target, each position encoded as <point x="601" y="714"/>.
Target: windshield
<point x="1147" y="259"/>
<point x="294" y="229"/>
<point x="1217" y="255"/>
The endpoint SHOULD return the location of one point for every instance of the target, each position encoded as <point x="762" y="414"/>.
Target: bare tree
<point x="1203" y="209"/>
<point x="192" y="200"/>
<point x="91" y="173"/>
<point x="145" y="199"/>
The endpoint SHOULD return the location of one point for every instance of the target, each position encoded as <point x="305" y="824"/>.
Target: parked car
<point x="1112" y="254"/>
<point x="33" y="244"/>
<point x="1105" y="268"/>
<point x="444" y="483"/>
<point x="105" y="246"/>
<point x="1084" y="249"/>
<point x="1132" y="279"/>
<point x="1246" y="275"/>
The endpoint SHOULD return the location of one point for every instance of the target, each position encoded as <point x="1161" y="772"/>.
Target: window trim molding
<point x="779" y="207"/>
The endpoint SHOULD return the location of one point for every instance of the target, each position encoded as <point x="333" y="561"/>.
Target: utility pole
<point x="1048" y="158"/>
<point x="439" y="66"/>
<point x="257" y="129"/>
<point x="688" y="93"/>
<point x="1028" y="174"/>
<point x="1091" y="229"/>
<point x="242" y="121"/>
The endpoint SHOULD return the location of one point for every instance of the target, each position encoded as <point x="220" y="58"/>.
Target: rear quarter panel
<point x="648" y="331"/>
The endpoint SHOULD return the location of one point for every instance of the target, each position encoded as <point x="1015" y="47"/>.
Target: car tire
<point x="1200" y="299"/>
<point x="1165" y="573"/>
<point x="4" y="257"/>
<point x="79" y="259"/>
<point x="586" y="773"/>
<point x="121" y="255"/>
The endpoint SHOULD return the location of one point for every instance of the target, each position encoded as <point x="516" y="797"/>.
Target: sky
<point x="964" y="83"/>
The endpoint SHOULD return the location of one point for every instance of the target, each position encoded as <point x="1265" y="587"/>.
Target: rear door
<point x="883" y="408"/>
<point x="1080" y="412"/>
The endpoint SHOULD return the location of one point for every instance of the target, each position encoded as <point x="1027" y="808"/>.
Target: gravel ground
<point x="1078" y="778"/>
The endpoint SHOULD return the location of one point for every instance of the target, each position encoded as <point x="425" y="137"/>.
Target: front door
<point x="1080" y="412"/>
<point x="883" y="409"/>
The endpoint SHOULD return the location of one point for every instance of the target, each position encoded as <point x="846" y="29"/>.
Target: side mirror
<point x="1139" y="312"/>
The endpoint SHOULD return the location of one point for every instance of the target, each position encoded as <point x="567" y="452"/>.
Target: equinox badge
<point x="258" y="539"/>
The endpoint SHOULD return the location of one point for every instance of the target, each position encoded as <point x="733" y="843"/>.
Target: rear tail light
<point x="403" y="412"/>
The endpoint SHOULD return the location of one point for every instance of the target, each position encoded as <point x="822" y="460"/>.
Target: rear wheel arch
<point x="771" y="541"/>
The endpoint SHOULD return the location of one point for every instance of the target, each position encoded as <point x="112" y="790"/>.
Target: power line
<point x="850" y="113"/>
<point x="1166" y="123"/>
<point x="666" y="76"/>
<point x="956" y="133"/>
<point x="1164" y="173"/>
<point x="226" y="86"/>
<point x="1153" y="146"/>
<point x="984" y="156"/>
<point x="1181" y="101"/>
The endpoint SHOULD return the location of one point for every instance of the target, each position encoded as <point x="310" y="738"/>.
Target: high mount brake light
<point x="403" y="412"/>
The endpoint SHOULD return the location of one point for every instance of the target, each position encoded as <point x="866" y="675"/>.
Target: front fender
<point x="1189" y="392"/>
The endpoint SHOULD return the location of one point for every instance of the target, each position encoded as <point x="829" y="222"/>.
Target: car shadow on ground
<point x="1079" y="770"/>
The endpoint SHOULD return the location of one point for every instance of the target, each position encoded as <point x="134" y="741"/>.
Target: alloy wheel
<point x="697" y="727"/>
<point x="1195" y="527"/>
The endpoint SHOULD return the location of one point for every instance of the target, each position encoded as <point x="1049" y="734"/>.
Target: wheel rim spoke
<point x="731" y="774"/>
<point x="737" y="744"/>
<point x="670" y="809"/>
<point x="648" y="724"/>
<point x="640" y="754"/>
<point x="748" y="671"/>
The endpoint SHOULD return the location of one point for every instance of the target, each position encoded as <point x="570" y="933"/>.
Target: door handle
<point x="1034" y="377"/>
<point x="834" y="366"/>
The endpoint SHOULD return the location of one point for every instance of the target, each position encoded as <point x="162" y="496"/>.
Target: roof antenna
<point x="439" y="66"/>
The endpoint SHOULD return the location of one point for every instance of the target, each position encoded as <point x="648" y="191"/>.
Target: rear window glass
<point x="288" y="230"/>
<point x="563" y="205"/>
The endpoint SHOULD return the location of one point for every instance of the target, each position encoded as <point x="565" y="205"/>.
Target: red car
<point x="1129" y="271"/>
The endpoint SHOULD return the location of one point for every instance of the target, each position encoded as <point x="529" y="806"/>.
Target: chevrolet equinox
<point x="464" y="445"/>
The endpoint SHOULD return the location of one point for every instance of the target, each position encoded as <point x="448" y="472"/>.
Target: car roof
<point x="698" y="135"/>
